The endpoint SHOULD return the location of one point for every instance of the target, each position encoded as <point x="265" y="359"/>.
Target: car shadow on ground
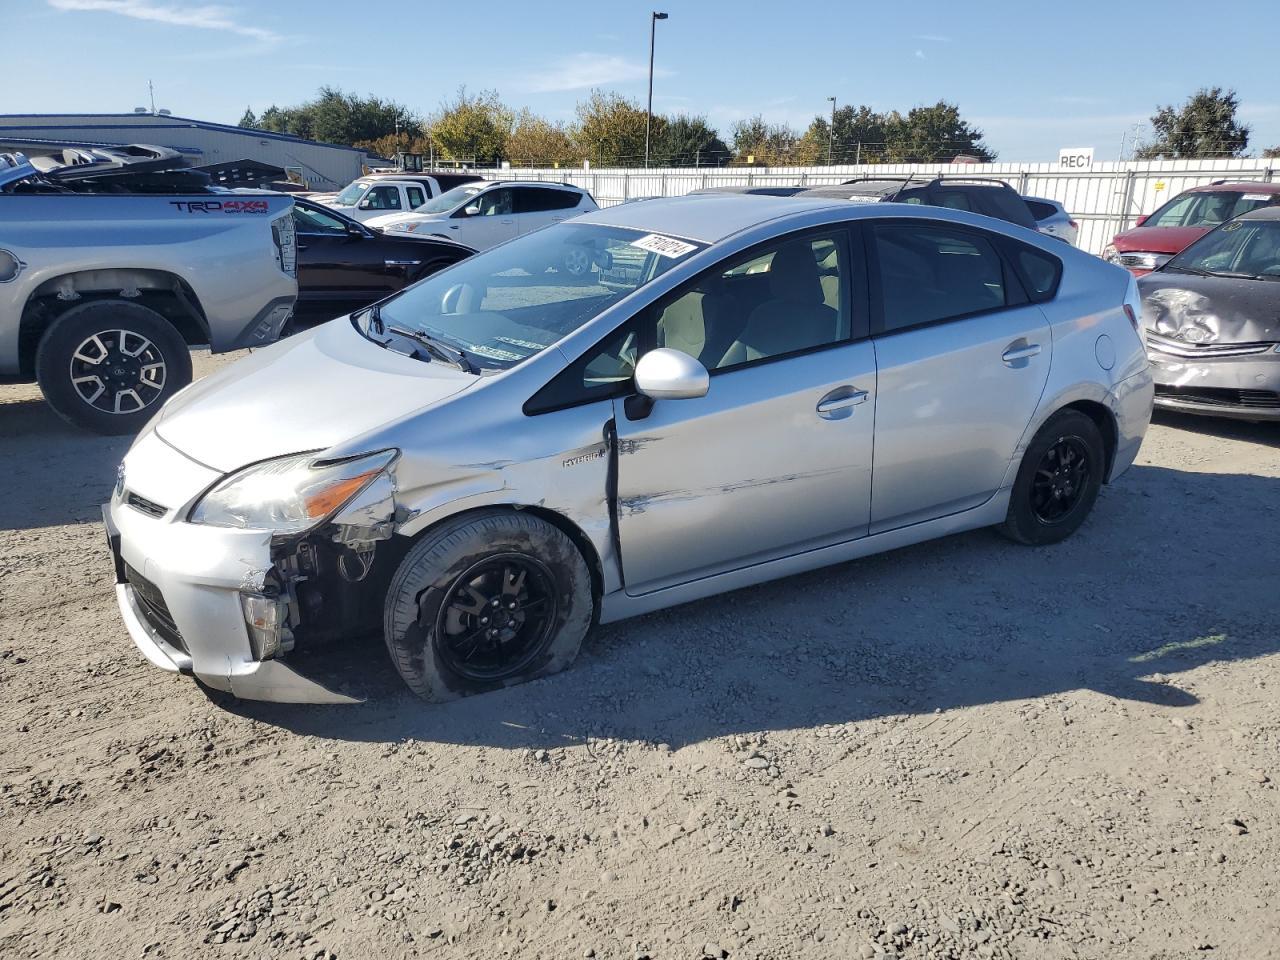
<point x="1174" y="570"/>
<point x="1265" y="433"/>
<point x="54" y="473"/>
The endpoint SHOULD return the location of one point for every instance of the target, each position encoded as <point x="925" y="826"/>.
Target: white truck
<point x="379" y="194"/>
<point x="114" y="260"/>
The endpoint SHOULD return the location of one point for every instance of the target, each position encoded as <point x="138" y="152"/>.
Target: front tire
<point x="1058" y="480"/>
<point x="109" y="365"/>
<point x="484" y="602"/>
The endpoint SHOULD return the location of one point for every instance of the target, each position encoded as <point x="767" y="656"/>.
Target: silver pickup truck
<point x="114" y="260"/>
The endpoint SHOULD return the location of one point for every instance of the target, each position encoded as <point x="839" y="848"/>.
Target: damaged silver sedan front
<point x="1212" y="315"/>
<point x="509" y="452"/>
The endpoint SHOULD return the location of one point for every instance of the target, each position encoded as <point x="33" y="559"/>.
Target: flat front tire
<point x="1058" y="480"/>
<point x="109" y="365"/>
<point x="486" y="601"/>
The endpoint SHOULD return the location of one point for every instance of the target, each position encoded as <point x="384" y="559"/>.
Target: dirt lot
<point x="965" y="748"/>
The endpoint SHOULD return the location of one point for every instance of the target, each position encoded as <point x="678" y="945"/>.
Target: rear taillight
<point x="1074" y="225"/>
<point x="1132" y="314"/>
<point x="285" y="237"/>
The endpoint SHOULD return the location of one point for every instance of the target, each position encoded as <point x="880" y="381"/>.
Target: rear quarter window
<point x="1041" y="211"/>
<point x="1040" y="272"/>
<point x="1006" y="205"/>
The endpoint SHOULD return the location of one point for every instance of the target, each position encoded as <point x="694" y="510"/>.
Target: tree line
<point x="609" y="131"/>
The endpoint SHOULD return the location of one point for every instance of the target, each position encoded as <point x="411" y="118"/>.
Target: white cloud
<point x="583" y="70"/>
<point x="920" y="55"/>
<point x="202" y="17"/>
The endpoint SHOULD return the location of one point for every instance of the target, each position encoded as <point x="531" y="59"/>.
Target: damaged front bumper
<point x="1242" y="384"/>
<point x="213" y="602"/>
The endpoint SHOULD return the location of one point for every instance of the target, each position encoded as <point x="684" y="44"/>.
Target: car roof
<point x="708" y="217"/>
<point x="550" y="184"/>
<point x="1261" y="213"/>
<point x="1248" y="186"/>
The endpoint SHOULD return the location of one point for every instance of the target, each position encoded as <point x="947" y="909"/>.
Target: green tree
<point x="688" y="141"/>
<point x="537" y="142"/>
<point x="1204" y="126"/>
<point x="337" y="117"/>
<point x="859" y="137"/>
<point x="1271" y="153"/>
<point x="248" y="120"/>
<point x="927" y="134"/>
<point x="472" y="127"/>
<point x="765" y="144"/>
<point x="610" y="130"/>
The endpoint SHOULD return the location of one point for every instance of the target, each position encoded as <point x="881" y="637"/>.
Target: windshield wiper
<point x="441" y="351"/>
<point x="1179" y="268"/>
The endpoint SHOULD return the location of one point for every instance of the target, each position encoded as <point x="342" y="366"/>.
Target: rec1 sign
<point x="1075" y="158"/>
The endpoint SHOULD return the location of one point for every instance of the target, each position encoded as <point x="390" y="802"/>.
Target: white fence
<point x="1103" y="200"/>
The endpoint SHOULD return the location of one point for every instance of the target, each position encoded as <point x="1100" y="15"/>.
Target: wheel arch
<point x="577" y="536"/>
<point x="1105" y="421"/>
<point x="163" y="291"/>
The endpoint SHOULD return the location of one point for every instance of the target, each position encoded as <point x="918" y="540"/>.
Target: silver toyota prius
<point x="734" y="389"/>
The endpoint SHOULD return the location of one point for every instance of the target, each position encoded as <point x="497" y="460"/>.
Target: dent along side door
<point x="776" y="458"/>
<point x="963" y="352"/>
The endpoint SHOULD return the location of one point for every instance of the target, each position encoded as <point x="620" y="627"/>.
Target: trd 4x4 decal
<point x="221" y="206"/>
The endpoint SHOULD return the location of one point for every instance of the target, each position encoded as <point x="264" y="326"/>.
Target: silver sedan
<point x="736" y="389"/>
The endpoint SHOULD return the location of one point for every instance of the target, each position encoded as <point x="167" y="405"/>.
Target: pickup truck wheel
<point x="489" y="600"/>
<point x="109" y="365"/>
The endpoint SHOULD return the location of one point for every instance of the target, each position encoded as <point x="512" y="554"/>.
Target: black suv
<point x="993" y="198"/>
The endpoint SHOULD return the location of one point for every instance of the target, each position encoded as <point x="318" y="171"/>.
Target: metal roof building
<point x="323" y="166"/>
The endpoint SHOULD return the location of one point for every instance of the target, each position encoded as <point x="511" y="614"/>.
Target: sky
<point x="1034" y="76"/>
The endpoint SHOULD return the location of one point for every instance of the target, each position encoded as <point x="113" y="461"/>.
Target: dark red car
<point x="1185" y="219"/>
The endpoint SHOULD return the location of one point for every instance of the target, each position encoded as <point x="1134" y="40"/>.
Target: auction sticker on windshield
<point x="663" y="246"/>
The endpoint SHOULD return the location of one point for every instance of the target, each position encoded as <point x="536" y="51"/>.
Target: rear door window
<point x="416" y="197"/>
<point x="929" y="273"/>
<point x="541" y="199"/>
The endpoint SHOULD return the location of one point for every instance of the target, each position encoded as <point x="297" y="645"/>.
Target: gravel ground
<point x="965" y="748"/>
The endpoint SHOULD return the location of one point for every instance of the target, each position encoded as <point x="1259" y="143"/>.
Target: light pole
<point x="831" y="131"/>
<point x="648" y="115"/>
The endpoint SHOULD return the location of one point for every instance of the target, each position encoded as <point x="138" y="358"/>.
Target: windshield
<point x="1241" y="248"/>
<point x="515" y="300"/>
<point x="1207" y="208"/>
<point x="350" y="194"/>
<point x="450" y="199"/>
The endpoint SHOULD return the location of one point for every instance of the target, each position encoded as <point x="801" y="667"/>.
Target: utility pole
<point x="648" y="115"/>
<point x="152" y="91"/>
<point x="831" y="131"/>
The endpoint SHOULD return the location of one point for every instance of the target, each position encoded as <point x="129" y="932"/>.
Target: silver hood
<point x="326" y="386"/>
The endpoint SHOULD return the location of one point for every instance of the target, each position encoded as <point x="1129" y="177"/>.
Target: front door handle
<point x="840" y="403"/>
<point x="1025" y="352"/>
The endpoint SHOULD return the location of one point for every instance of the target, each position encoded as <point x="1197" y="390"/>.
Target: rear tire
<point x="523" y="575"/>
<point x="1058" y="480"/>
<point x="109" y="365"/>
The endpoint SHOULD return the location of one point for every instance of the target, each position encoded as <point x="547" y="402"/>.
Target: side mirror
<point x="355" y="231"/>
<point x="666" y="374"/>
<point x="473" y="210"/>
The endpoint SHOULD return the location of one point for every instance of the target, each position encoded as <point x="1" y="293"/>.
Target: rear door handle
<point x="1014" y="354"/>
<point x="835" y="403"/>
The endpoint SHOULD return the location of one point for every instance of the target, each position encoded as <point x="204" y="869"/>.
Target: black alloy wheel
<point x="1061" y="479"/>
<point x="498" y="617"/>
